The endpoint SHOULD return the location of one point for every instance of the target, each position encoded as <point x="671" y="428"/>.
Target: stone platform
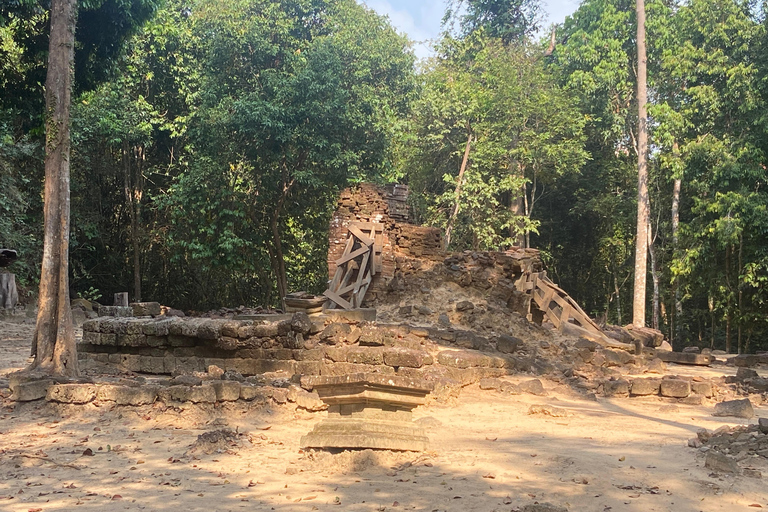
<point x="369" y="411"/>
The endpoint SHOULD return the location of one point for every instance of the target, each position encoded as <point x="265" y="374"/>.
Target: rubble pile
<point x="734" y="449"/>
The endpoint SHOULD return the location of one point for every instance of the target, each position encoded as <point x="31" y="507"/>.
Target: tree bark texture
<point x="676" y="330"/>
<point x="643" y="207"/>
<point x="54" y="347"/>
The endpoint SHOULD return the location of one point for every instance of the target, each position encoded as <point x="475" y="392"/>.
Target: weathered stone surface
<point x="195" y="394"/>
<point x="735" y="408"/>
<point x="745" y="360"/>
<point x="335" y="333"/>
<point x="762" y="424"/>
<point x="186" y="380"/>
<point x="128" y="395"/>
<point x="394" y="356"/>
<point x="532" y="387"/>
<point x="365" y="355"/>
<point x="145" y="308"/>
<point x="645" y="387"/>
<point x="256" y="393"/>
<point x="116" y="311"/>
<point x="71" y="393"/>
<point x="488" y="384"/>
<point x="462" y="359"/>
<point x="703" y="388"/>
<point x="587" y="344"/>
<point x="306" y="400"/>
<point x="656" y="365"/>
<point x="25" y="388"/>
<point x="717" y="461"/>
<point x="684" y="358"/>
<point x="616" y="388"/>
<point x="675" y="388"/>
<point x="508" y="344"/>
<point x="226" y="390"/>
<point x="301" y="323"/>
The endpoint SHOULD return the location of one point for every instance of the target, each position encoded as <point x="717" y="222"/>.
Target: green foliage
<point x="525" y="131"/>
<point x="508" y="20"/>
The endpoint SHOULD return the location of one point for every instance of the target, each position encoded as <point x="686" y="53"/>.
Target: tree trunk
<point x="9" y="295"/>
<point x="728" y="289"/>
<point x="676" y="331"/>
<point x="643" y="207"/>
<point x="53" y="345"/>
<point x="656" y="279"/>
<point x="459" y="182"/>
<point x="741" y="295"/>
<point x="133" y="190"/>
<point x="276" y="255"/>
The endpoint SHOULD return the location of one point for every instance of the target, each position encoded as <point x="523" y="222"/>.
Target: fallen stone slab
<point x="226" y="390"/>
<point x="668" y="356"/>
<point x="735" y="408"/>
<point x="533" y="387"/>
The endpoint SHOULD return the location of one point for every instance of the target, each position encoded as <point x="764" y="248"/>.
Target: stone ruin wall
<point x="388" y="206"/>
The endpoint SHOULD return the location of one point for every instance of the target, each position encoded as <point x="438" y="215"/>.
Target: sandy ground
<point x="487" y="454"/>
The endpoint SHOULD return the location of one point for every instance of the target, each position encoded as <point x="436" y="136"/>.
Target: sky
<point x="420" y="19"/>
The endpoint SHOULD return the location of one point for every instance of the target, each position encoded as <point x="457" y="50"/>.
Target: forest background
<point x="209" y="144"/>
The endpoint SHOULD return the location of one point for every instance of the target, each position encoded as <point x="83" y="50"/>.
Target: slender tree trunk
<point x="277" y="256"/>
<point x="728" y="288"/>
<point x="132" y="192"/>
<point x="459" y="183"/>
<point x="676" y="331"/>
<point x="53" y="345"/>
<point x="643" y="207"/>
<point x="617" y="291"/>
<point x="656" y="279"/>
<point x="741" y="294"/>
<point x="712" y="321"/>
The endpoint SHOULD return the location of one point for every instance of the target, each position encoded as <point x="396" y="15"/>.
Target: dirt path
<point x="487" y="454"/>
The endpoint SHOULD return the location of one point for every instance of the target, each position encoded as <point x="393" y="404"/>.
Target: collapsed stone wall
<point x="387" y="206"/>
<point x="295" y="346"/>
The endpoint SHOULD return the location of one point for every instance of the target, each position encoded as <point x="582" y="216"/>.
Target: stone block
<point x="230" y="328"/>
<point x="130" y="362"/>
<point x="226" y="390"/>
<point x="151" y="364"/>
<point x="71" y="393"/>
<point x="255" y="393"/>
<point x="209" y="329"/>
<point x="25" y="387"/>
<point x="157" y="341"/>
<point x="616" y="388"/>
<point x="337" y="354"/>
<point x="668" y="356"/>
<point x="131" y="340"/>
<point x="283" y="354"/>
<point x="703" y="388"/>
<point x="735" y="408"/>
<point x="116" y="311"/>
<point x="461" y="359"/>
<point x="338" y="369"/>
<point x="194" y="394"/>
<point x="169" y="364"/>
<point x="189" y="364"/>
<point x="128" y="395"/>
<point x="366" y="355"/>
<point x="309" y="367"/>
<point x="145" y="308"/>
<point x="398" y="357"/>
<point x="644" y="387"/>
<point x="91" y="325"/>
<point x="313" y="354"/>
<point x="675" y="388"/>
<point x="227" y="343"/>
<point x="92" y="338"/>
<point x="265" y="330"/>
<point x="745" y="360"/>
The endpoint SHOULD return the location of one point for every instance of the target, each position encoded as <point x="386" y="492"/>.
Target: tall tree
<point x="54" y="340"/>
<point x="643" y="202"/>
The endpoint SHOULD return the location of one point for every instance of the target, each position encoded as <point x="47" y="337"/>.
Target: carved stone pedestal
<point x="368" y="411"/>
